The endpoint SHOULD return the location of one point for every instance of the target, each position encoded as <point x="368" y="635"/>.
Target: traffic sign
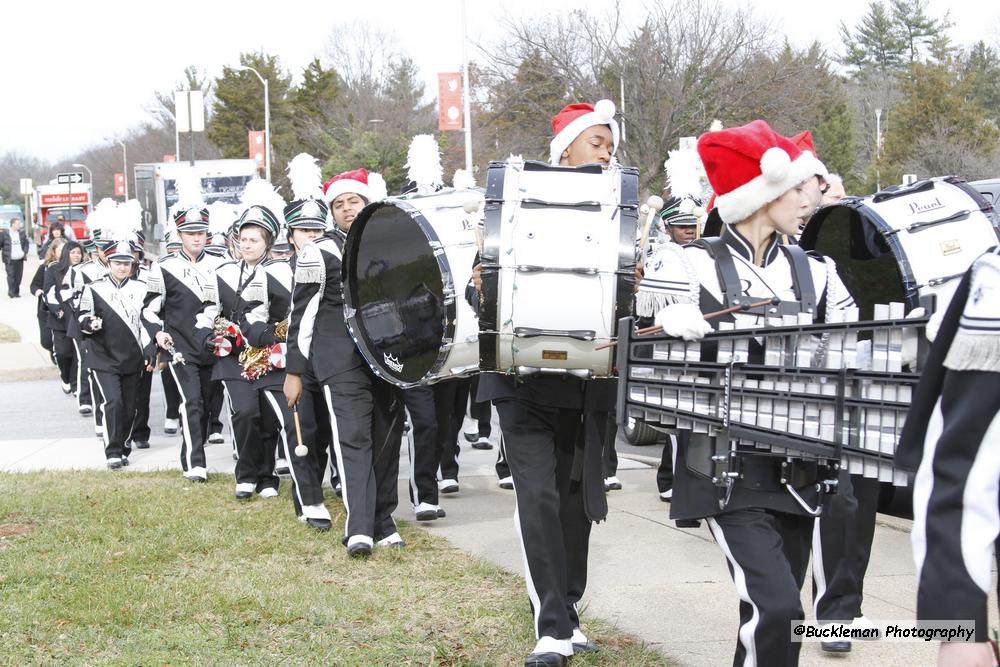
<point x="26" y="186"/>
<point x="69" y="177"/>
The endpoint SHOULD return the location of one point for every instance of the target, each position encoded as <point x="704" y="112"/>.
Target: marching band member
<point x="366" y="413"/>
<point x="171" y="397"/>
<point x="60" y="314"/>
<point x="240" y="285"/>
<point x="542" y="418"/>
<point x="952" y="440"/>
<point x="764" y="529"/>
<point x="177" y="315"/>
<point x="119" y="347"/>
<point x="263" y="327"/>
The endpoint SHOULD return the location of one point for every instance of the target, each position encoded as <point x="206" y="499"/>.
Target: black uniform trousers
<point x="83" y="390"/>
<point x="503" y="469"/>
<point x="422" y="444"/>
<point x="62" y="347"/>
<point x="540" y="444"/>
<point x="665" y="471"/>
<point x="842" y="540"/>
<point x="117" y="394"/>
<point x="254" y="443"/>
<point x="367" y="424"/>
<point x="306" y="471"/>
<point x="217" y="401"/>
<point x="609" y="461"/>
<point x="194" y="384"/>
<point x="482" y="412"/>
<point x="171" y="397"/>
<point x="766" y="552"/>
<point x="140" y="430"/>
<point x="449" y="408"/>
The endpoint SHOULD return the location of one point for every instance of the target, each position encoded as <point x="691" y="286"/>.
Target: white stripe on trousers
<point x="79" y="372"/>
<point x="340" y="458"/>
<point x="185" y="427"/>
<point x="747" y="630"/>
<point x="819" y="565"/>
<point x="411" y="451"/>
<point x="284" y="443"/>
<point x="536" y="603"/>
<point x="104" y="402"/>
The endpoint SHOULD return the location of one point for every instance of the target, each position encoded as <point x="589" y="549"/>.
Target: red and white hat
<point x="371" y="186"/>
<point x="751" y="166"/>
<point x="569" y="123"/>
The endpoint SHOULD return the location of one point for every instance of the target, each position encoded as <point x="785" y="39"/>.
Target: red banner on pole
<point x="450" y="101"/>
<point x="119" y="184"/>
<point x="255" y="142"/>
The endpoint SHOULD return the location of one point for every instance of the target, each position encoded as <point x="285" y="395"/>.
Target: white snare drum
<point x="905" y="245"/>
<point x="558" y="266"/>
<point x="407" y="261"/>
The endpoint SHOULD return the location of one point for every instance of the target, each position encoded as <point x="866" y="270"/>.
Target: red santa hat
<point x="371" y="186"/>
<point x="751" y="166"/>
<point x="570" y="123"/>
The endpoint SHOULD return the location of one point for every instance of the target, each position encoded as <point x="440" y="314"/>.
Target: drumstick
<point x="647" y="331"/>
<point x="300" y="449"/>
<point x="655" y="203"/>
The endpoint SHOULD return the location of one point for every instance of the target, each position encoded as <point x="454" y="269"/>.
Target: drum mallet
<point x="654" y="204"/>
<point x="471" y="206"/>
<point x="300" y="449"/>
<point x="648" y="331"/>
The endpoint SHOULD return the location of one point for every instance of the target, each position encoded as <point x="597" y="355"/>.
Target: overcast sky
<point x="78" y="72"/>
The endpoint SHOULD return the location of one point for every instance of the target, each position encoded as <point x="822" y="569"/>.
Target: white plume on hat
<point x="120" y="227"/>
<point x="100" y="217"/>
<point x="423" y="163"/>
<point x="188" y="188"/>
<point x="377" y="189"/>
<point x="259" y="192"/>
<point x="306" y="177"/>
<point x="131" y="217"/>
<point x="463" y="180"/>
<point x="221" y="216"/>
<point x="686" y="176"/>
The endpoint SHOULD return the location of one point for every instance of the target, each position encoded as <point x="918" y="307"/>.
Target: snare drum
<point x="907" y="244"/>
<point x="407" y="261"/>
<point x="558" y="266"/>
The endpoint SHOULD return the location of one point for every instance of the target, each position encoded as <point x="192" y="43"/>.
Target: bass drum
<point x="558" y="266"/>
<point x="907" y="244"/>
<point x="407" y="261"/>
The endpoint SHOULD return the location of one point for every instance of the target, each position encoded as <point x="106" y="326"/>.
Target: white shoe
<point x="216" y="438"/>
<point x="86" y="410"/>
<point x="66" y="388"/>
<point x="863" y="623"/>
<point x="315" y="512"/>
<point x="612" y="483"/>
<point x="281" y="467"/>
<point x="426" y="512"/>
<point x="448" y="486"/>
<point x="197" y="474"/>
<point x="394" y="540"/>
<point x="171" y="426"/>
<point x="470" y="429"/>
<point x="98" y="430"/>
<point x="506" y="483"/>
<point x="667" y="495"/>
<point x="269" y="492"/>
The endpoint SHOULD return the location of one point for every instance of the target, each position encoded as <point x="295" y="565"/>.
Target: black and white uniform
<point x="952" y="440"/>
<point x="239" y="287"/>
<point x="270" y="297"/>
<point x="60" y="315"/>
<point x="117" y="351"/>
<point x="74" y="280"/>
<point x="764" y="531"/>
<point x="180" y="300"/>
<point x="366" y="413"/>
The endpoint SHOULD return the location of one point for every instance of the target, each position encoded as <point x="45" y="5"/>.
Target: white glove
<point x="96" y="324"/>
<point x="908" y="353"/>
<point x="683" y="320"/>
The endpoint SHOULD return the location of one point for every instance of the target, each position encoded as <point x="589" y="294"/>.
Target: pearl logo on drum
<point x="921" y="208"/>
<point x="392" y="362"/>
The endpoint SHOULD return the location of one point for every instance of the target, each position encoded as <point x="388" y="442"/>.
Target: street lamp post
<point x="124" y="167"/>
<point x="878" y="147"/>
<point x="267" y="120"/>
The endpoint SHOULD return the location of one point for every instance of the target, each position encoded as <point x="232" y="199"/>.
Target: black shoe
<point x="322" y="524"/>
<point x="115" y="464"/>
<point x="244" y="495"/>
<point x="688" y="523"/>
<point x="277" y="471"/>
<point x="839" y="646"/>
<point x="441" y="513"/>
<point x="359" y="550"/>
<point x="426" y="512"/>
<point x="546" y="660"/>
<point x="584" y="647"/>
<point x="140" y="444"/>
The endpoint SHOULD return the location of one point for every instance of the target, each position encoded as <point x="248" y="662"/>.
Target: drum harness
<point x="746" y="466"/>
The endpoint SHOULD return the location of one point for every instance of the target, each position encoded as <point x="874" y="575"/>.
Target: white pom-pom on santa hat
<point x="774" y="164"/>
<point x="377" y="189"/>
<point x="605" y="109"/>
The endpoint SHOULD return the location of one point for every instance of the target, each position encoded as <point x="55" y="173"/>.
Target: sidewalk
<point x="26" y="360"/>
<point x="668" y="586"/>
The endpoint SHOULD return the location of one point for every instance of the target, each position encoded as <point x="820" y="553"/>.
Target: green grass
<point x="146" y="569"/>
<point x="9" y="335"/>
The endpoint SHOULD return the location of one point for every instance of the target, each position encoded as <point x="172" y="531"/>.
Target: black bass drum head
<point x="852" y="235"/>
<point x="394" y="292"/>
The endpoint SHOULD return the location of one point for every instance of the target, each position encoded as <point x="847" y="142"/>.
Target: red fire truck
<point x="72" y="201"/>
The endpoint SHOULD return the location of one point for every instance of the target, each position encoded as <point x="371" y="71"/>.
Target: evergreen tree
<point x="876" y="43"/>
<point x="981" y="67"/>
<point x="312" y="104"/>
<point x="916" y="28"/>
